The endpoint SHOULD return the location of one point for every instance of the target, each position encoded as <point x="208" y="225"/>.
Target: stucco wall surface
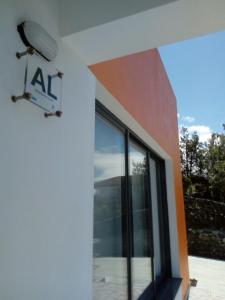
<point x="46" y="173"/>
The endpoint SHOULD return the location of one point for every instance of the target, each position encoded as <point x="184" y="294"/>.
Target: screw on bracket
<point x="59" y="74"/>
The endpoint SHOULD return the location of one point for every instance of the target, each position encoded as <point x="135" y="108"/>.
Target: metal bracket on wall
<point x="26" y="96"/>
<point x="58" y="113"/>
<point x="28" y="51"/>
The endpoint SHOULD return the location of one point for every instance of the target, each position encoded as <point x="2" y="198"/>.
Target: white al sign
<point x="44" y="83"/>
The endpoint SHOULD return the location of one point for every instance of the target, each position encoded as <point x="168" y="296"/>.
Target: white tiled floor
<point x="110" y="281"/>
<point x="210" y="275"/>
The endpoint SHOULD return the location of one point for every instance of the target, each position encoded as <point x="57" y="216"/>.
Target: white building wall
<point x="46" y="172"/>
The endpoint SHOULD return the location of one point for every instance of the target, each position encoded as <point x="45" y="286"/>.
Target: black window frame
<point x="167" y="286"/>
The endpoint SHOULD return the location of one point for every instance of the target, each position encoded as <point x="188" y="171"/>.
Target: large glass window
<point x="110" y="266"/>
<point x="131" y="240"/>
<point x="159" y="220"/>
<point x="155" y="218"/>
<point x="141" y="241"/>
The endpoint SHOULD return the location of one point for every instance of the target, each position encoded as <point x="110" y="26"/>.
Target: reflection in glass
<point x="141" y="261"/>
<point x="109" y="267"/>
<point x="155" y="219"/>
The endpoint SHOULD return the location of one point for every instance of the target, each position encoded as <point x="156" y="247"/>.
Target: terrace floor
<point x="210" y="275"/>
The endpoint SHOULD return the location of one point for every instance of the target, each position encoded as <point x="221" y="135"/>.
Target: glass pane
<point x="110" y="264"/>
<point x="155" y="220"/>
<point x="141" y="261"/>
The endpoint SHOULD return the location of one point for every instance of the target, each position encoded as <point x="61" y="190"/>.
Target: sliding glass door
<point x="110" y="265"/>
<point x="141" y="238"/>
<point x="131" y="239"/>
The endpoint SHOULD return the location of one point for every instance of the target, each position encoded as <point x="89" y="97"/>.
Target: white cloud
<point x="188" y="119"/>
<point x="178" y="116"/>
<point x="109" y="165"/>
<point x="203" y="131"/>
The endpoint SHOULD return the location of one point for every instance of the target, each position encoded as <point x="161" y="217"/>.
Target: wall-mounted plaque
<point x="43" y="83"/>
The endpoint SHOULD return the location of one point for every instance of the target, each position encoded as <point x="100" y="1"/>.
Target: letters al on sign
<point x="44" y="84"/>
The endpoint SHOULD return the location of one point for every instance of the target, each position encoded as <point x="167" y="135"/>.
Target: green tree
<point x="192" y="153"/>
<point x="215" y="165"/>
<point x="203" y="165"/>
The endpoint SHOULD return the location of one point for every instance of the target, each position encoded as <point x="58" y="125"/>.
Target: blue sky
<point x="196" y="69"/>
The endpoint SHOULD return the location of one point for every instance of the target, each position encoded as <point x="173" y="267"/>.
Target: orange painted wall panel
<point x="139" y="82"/>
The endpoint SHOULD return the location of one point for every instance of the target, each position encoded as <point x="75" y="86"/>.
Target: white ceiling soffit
<point x="78" y="15"/>
<point x="166" y="24"/>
